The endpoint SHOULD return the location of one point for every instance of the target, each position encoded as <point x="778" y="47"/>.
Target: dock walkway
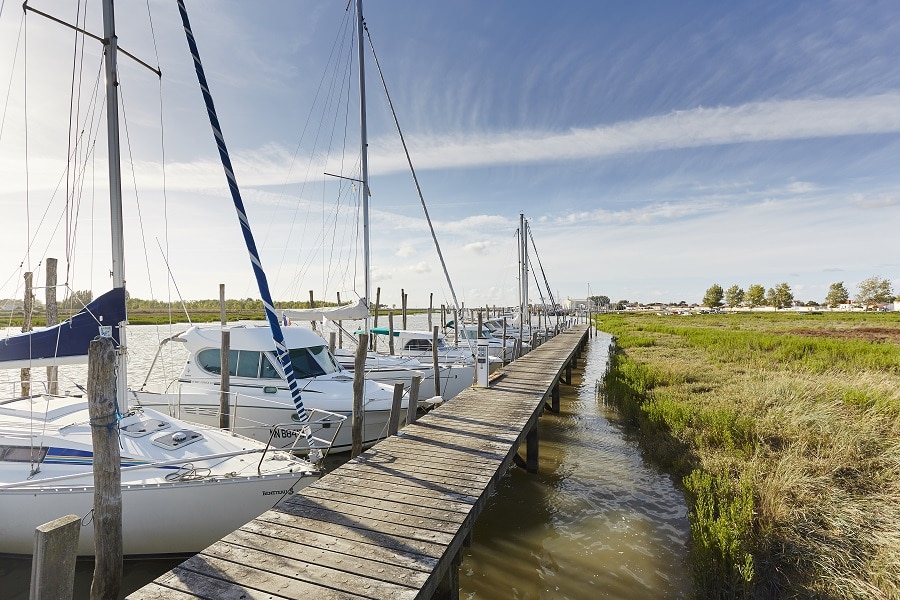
<point x="392" y="522"/>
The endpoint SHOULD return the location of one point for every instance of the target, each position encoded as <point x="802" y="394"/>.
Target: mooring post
<point x="332" y="339"/>
<point x="53" y="564"/>
<point x="403" y="299"/>
<point x="312" y="305"/>
<point x="394" y="419"/>
<point x="412" y="409"/>
<point x="430" y="308"/>
<point x="391" y="333"/>
<point x="26" y="326"/>
<point x="52" y="319"/>
<point x="340" y="324"/>
<point x="569" y="373"/>
<point x="225" y="381"/>
<point x="434" y="360"/>
<point x="359" y="382"/>
<point x="107" y="515"/>
<point x="375" y="320"/>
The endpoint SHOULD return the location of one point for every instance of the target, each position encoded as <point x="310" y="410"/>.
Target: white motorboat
<point x="260" y="402"/>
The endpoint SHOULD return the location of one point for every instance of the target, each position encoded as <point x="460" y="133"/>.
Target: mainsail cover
<point x="68" y="342"/>
<point x="347" y="312"/>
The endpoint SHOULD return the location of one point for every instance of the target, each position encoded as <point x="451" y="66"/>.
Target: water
<point x="595" y="521"/>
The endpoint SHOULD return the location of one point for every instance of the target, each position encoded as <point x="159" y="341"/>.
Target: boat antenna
<point x="261" y="280"/>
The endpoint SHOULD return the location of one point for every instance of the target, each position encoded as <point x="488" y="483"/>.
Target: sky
<point x="655" y="148"/>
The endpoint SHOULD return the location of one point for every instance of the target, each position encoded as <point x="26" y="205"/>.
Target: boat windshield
<point x="313" y="361"/>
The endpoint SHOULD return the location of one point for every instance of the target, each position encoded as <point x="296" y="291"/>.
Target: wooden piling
<point x="359" y="383"/>
<point x="403" y="308"/>
<point x="52" y="319"/>
<point x="53" y="562"/>
<point x="434" y="359"/>
<point x="397" y="401"/>
<point x="225" y="381"/>
<point x="107" y="517"/>
<point x="340" y="324"/>
<point x="391" y="333"/>
<point x="26" y="326"/>
<point x="312" y="304"/>
<point x="222" y="317"/>
<point x="430" y="308"/>
<point x="412" y="409"/>
<point x="374" y="340"/>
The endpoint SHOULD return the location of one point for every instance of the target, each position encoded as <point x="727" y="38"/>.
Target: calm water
<point x="595" y="522"/>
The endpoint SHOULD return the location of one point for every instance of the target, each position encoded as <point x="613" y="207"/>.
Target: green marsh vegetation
<point x="784" y="429"/>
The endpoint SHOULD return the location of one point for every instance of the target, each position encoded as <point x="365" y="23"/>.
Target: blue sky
<point x="655" y="147"/>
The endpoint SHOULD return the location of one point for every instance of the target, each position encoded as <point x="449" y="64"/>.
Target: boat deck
<point x="390" y="523"/>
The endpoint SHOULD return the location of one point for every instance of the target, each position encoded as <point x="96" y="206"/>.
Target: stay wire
<point x="411" y="168"/>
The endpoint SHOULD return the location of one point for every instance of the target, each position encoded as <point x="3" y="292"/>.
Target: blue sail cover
<point x="67" y="342"/>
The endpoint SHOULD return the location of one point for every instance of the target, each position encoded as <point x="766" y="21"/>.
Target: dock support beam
<point x="448" y="588"/>
<point x="554" y="398"/>
<point x="530" y="463"/>
<point x="569" y="373"/>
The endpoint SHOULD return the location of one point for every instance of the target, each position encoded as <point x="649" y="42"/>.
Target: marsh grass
<point x="787" y="443"/>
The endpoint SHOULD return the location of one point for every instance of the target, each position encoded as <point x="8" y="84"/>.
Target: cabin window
<point x="419" y="345"/>
<point x="268" y="370"/>
<point x="248" y="364"/>
<point x="241" y="363"/>
<point x="22" y="454"/>
<point x="312" y="362"/>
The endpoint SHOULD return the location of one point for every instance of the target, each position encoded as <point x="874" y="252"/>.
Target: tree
<point x="713" y="296"/>
<point x="874" y="290"/>
<point x="78" y="300"/>
<point x="837" y="294"/>
<point x="734" y="296"/>
<point x="770" y="298"/>
<point x="756" y="295"/>
<point x="600" y="301"/>
<point x="781" y="296"/>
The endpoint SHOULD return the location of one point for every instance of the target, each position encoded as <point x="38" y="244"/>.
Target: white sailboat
<point x="172" y="471"/>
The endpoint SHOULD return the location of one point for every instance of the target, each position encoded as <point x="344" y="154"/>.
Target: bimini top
<point x="244" y="337"/>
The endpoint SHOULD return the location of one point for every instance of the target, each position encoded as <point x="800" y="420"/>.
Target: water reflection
<point x="596" y="521"/>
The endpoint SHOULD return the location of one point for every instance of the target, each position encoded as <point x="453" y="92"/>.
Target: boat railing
<point x="150" y="465"/>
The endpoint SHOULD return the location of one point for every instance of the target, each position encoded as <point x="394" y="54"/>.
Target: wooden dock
<point x="392" y="522"/>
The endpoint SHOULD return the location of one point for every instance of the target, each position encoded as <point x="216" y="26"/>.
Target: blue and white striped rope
<point x="277" y="335"/>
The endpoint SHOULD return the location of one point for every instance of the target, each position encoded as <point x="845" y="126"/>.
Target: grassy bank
<point x="785" y="431"/>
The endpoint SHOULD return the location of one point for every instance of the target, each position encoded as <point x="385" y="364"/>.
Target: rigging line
<point x="172" y="278"/>
<point x="12" y="73"/>
<point x="544" y="275"/>
<point x="72" y="102"/>
<point x="412" y="170"/>
<point x="137" y="198"/>
<point x="540" y="293"/>
<point x="328" y="101"/>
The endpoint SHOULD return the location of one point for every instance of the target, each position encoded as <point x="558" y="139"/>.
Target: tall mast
<point x="115" y="176"/>
<point x="364" y="158"/>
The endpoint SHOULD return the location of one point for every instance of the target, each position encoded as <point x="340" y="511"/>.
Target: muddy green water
<point x="595" y="522"/>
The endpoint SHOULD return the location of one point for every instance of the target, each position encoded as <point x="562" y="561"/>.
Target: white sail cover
<point x="349" y="312"/>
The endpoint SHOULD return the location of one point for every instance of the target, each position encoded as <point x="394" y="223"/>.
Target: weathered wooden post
<point x="455" y="328"/>
<point x="359" y="384"/>
<point x="224" y="367"/>
<point x="52" y="319"/>
<point x="397" y="401"/>
<point x="222" y="317"/>
<point x="332" y="337"/>
<point x="103" y="409"/>
<point x="312" y="304"/>
<point x="430" y="308"/>
<point x="412" y="409"/>
<point x="53" y="564"/>
<point x="434" y="359"/>
<point x="225" y="381"/>
<point x="375" y="320"/>
<point x="340" y="325"/>
<point x="402" y="308"/>
<point x="391" y="333"/>
<point x="26" y="326"/>
<point x="503" y="354"/>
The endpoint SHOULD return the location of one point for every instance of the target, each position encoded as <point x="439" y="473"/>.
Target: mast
<point x="115" y="177"/>
<point x="364" y="158"/>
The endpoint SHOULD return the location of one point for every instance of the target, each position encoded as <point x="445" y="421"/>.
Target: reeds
<point x="785" y="431"/>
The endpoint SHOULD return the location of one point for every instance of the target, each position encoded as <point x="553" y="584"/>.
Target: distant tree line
<point x="870" y="292"/>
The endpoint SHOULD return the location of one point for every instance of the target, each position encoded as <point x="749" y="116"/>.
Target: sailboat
<point x="172" y="471"/>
